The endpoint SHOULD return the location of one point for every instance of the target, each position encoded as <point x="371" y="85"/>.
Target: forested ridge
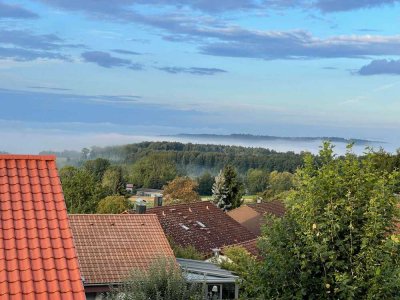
<point x="192" y="159"/>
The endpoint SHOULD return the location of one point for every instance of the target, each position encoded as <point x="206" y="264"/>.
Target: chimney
<point x="140" y="206"/>
<point x="158" y="200"/>
<point x="216" y="252"/>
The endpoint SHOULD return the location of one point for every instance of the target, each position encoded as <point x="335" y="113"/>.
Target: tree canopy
<point x="81" y="191"/>
<point x="338" y="238"/>
<point x="113" y="205"/>
<point x="181" y="190"/>
<point x="153" y="171"/>
<point x="227" y="189"/>
<point x="162" y="281"/>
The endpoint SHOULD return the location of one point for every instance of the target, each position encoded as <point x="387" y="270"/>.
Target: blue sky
<point x="75" y="73"/>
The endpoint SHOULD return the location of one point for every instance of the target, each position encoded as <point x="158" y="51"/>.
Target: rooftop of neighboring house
<point x="275" y="207"/>
<point x="37" y="254"/>
<point x="251" y="215"/>
<point x="201" y="225"/>
<point x="144" y="190"/>
<point x="111" y="246"/>
<point x="250" y="246"/>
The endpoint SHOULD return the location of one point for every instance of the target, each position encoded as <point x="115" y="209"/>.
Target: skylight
<point x="201" y="224"/>
<point x="183" y="226"/>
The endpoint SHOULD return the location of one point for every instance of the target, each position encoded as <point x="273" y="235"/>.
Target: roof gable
<point x="275" y="207"/>
<point x="252" y="217"/>
<point x="111" y="246"/>
<point x="37" y="253"/>
<point x="200" y="224"/>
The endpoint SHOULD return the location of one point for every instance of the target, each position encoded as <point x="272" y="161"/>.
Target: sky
<point x="78" y="73"/>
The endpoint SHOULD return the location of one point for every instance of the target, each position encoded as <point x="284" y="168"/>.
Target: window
<point x="201" y="224"/>
<point x="183" y="226"/>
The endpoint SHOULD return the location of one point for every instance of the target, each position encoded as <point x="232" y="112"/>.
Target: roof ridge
<point x="120" y="215"/>
<point x="27" y="156"/>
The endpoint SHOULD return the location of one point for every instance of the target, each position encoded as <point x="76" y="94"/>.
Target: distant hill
<point x="191" y="159"/>
<point x="250" y="137"/>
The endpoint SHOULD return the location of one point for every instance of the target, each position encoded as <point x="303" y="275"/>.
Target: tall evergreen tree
<point x="228" y="189"/>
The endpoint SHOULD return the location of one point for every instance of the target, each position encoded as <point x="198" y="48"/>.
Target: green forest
<point x="190" y="159"/>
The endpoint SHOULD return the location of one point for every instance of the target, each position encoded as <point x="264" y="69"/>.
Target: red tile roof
<point x="251" y="215"/>
<point x="37" y="253"/>
<point x="111" y="246"/>
<point x="250" y="246"/>
<point x="275" y="207"/>
<point x="200" y="224"/>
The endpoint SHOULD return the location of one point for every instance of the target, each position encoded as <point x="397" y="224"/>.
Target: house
<point x="38" y="259"/>
<point x="251" y="215"/>
<point x="129" y="187"/>
<point x="109" y="247"/>
<point x="217" y="283"/>
<point x="250" y="246"/>
<point x="149" y="192"/>
<point x="201" y="225"/>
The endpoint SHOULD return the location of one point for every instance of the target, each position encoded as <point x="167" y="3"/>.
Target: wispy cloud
<point x="192" y="70"/>
<point x="106" y="60"/>
<point x="25" y="45"/>
<point x="221" y="6"/>
<point x="15" y="12"/>
<point x="381" y="66"/>
<point x="328" y="6"/>
<point x="128" y="52"/>
<point x="49" y="88"/>
<point x="216" y="37"/>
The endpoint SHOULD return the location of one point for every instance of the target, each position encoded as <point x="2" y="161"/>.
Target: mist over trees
<point x="191" y="159"/>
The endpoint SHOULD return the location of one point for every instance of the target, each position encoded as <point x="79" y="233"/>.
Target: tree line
<point x="191" y="159"/>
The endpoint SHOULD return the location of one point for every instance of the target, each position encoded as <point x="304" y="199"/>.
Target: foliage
<point x="181" y="190"/>
<point x="113" y="181"/>
<point x="227" y="189"/>
<point x="246" y="266"/>
<point x="97" y="167"/>
<point x="219" y="191"/>
<point x="205" y="182"/>
<point x="188" y="252"/>
<point x="85" y="153"/>
<point x="81" y="191"/>
<point x="256" y="181"/>
<point x="337" y="238"/>
<point x="153" y="171"/>
<point x="113" y="205"/>
<point x="163" y="281"/>
<point x="278" y="183"/>
<point x="194" y="159"/>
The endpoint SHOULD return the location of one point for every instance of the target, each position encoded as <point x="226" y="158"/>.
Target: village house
<point x="252" y="216"/>
<point x="38" y="259"/>
<point x="110" y="247"/>
<point x="201" y="225"/>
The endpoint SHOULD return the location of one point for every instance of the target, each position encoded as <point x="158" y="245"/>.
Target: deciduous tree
<point x="81" y="191"/>
<point x="113" y="205"/>
<point x="163" y="281"/>
<point x="181" y="190"/>
<point x="337" y="239"/>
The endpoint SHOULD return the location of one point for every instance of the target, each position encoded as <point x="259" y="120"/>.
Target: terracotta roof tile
<point x="37" y="254"/>
<point x="110" y="246"/>
<point x="200" y="224"/>
<point x="275" y="207"/>
<point x="251" y="216"/>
